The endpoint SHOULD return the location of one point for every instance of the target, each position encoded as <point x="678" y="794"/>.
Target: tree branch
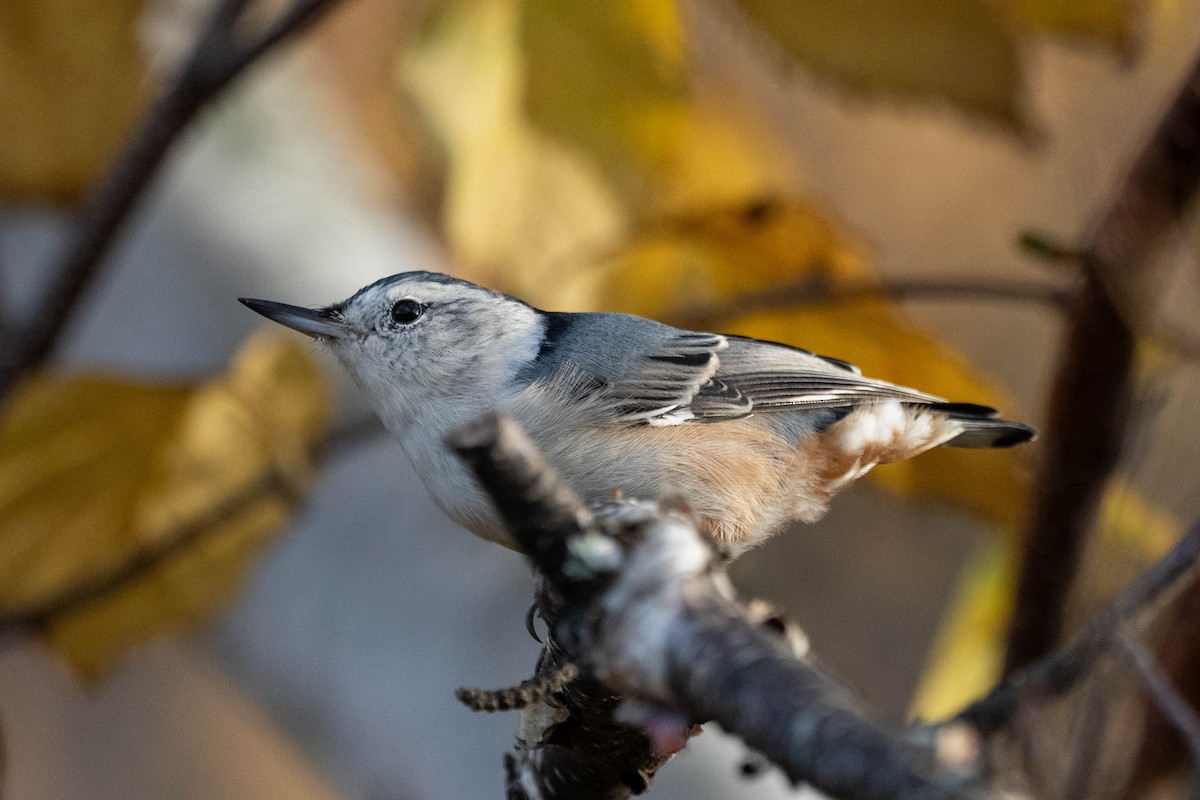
<point x="216" y="59"/>
<point x="636" y="597"/>
<point x="1058" y="674"/>
<point x="638" y="600"/>
<point x="1159" y="689"/>
<point x="1090" y="399"/>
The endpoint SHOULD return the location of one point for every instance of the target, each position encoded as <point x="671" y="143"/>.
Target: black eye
<point x="407" y="311"/>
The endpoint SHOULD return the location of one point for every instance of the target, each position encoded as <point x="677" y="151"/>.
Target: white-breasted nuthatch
<point x="752" y="434"/>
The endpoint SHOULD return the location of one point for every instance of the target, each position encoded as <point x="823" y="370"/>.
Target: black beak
<point x="298" y="318"/>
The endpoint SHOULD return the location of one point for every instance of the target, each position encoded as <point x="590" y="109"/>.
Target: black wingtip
<point x="992" y="433"/>
<point x="982" y="427"/>
<point x="1014" y="435"/>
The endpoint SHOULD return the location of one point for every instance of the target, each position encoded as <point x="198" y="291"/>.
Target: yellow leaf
<point x="968" y="655"/>
<point x="96" y="472"/>
<point x="959" y="51"/>
<point x="695" y="262"/>
<point x="566" y="126"/>
<point x="684" y="263"/>
<point x="513" y="195"/>
<point x="607" y="76"/>
<point x="1113" y="22"/>
<point x="71" y="82"/>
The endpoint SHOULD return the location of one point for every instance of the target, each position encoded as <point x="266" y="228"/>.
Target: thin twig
<point x="300" y="15"/>
<point x="1058" y="674"/>
<point x="216" y="59"/>
<point x="1160" y="691"/>
<point x="1090" y="399"/>
<point x="634" y="594"/>
<point x="6" y="317"/>
<point x="822" y="290"/>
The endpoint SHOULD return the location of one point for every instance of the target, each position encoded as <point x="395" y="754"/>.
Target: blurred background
<point x="811" y="172"/>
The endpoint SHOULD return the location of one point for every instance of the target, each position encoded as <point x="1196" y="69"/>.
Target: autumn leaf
<point x="512" y="195"/>
<point x="959" y="51"/>
<point x="547" y="162"/>
<point x="96" y="471"/>
<point x="71" y="83"/>
<point x="968" y="654"/>
<point x="608" y="77"/>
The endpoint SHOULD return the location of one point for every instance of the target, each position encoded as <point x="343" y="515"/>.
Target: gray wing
<point x="756" y="377"/>
<point x="643" y="371"/>
<point x="667" y="379"/>
<point x="634" y="368"/>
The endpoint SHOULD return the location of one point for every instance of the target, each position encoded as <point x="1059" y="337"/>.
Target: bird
<point x="751" y="434"/>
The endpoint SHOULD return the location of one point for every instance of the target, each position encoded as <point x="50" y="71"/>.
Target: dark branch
<point x="1058" y="674"/>
<point x="216" y="59"/>
<point x="1160" y="691"/>
<point x="1090" y="399"/>
<point x="297" y="17"/>
<point x="635" y="596"/>
<point x="722" y="669"/>
<point x="1081" y="447"/>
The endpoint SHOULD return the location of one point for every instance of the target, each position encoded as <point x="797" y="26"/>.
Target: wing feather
<point x="683" y="379"/>
<point x="667" y="378"/>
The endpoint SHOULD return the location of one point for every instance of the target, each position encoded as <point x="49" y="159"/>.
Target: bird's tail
<point x="982" y="427"/>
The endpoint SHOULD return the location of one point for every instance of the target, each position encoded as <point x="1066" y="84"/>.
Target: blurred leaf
<point x="71" y="82"/>
<point x="513" y="195"/>
<point x="960" y="51"/>
<point x="607" y="76"/>
<point x="95" y="471"/>
<point x="356" y="61"/>
<point x="1113" y="22"/>
<point x="1133" y="534"/>
<point x="968" y="655"/>
<point x="549" y="161"/>
<point x="772" y="246"/>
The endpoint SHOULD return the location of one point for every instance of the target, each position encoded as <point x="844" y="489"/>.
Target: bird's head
<point x="420" y="341"/>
